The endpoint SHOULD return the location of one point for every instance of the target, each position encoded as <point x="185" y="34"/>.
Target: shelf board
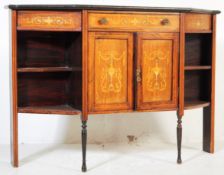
<point x="60" y="109"/>
<point x="49" y="69"/>
<point x="195" y="104"/>
<point x="198" y="31"/>
<point x="197" y="67"/>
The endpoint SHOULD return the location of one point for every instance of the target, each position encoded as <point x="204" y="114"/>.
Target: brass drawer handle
<point x="138" y="75"/>
<point x="103" y="21"/>
<point x="165" y="22"/>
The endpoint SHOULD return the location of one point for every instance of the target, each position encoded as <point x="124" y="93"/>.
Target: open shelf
<point x="198" y="59"/>
<point x="197" y="67"/>
<point x="49" y="69"/>
<point x="197" y="88"/>
<point x="57" y="109"/>
<point x="198" y="49"/>
<point x="199" y="31"/>
<point x="38" y="49"/>
<point x="49" y="72"/>
<point x="192" y="104"/>
<point x="45" y="92"/>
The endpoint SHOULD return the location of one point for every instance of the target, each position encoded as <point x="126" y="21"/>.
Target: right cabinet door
<point x="156" y="71"/>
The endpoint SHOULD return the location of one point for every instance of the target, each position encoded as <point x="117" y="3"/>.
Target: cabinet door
<point x="110" y="71"/>
<point x="156" y="71"/>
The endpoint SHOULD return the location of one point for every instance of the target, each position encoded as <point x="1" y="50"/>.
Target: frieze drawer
<point x="198" y="22"/>
<point x="168" y="22"/>
<point x="49" y="21"/>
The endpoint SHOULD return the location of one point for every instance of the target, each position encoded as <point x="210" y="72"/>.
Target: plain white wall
<point x="108" y="128"/>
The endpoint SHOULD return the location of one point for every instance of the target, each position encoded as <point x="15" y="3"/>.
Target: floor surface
<point x="112" y="159"/>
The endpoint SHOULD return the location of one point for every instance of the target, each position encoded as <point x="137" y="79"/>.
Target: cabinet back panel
<point x="46" y="49"/>
<point x="198" y="85"/>
<point x="198" y="49"/>
<point x="40" y="89"/>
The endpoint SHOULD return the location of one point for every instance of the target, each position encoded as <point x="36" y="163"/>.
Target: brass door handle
<point x="165" y="22"/>
<point x="138" y="75"/>
<point x="103" y="21"/>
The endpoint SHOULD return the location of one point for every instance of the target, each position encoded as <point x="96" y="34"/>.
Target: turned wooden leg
<point x="179" y="139"/>
<point x="84" y="140"/>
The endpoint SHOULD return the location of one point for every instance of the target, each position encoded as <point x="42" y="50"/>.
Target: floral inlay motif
<point x="156" y="76"/>
<point x="47" y="20"/>
<point x="111" y="78"/>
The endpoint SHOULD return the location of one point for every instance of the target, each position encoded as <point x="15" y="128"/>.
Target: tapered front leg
<point x="84" y="140"/>
<point x="179" y="139"/>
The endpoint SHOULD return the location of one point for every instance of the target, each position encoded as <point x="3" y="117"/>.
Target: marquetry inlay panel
<point x="109" y="70"/>
<point x="138" y="21"/>
<point x="157" y="70"/>
<point x="112" y="63"/>
<point x="49" y="20"/>
<point x="157" y="61"/>
<point x="198" y="22"/>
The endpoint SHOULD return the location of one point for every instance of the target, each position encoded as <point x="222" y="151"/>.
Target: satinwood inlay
<point x="48" y="20"/>
<point x="111" y="77"/>
<point x="157" y="57"/>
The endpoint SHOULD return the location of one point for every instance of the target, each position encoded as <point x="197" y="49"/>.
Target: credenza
<point x="87" y="59"/>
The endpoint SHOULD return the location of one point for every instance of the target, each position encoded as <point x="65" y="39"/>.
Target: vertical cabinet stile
<point x="14" y="117"/>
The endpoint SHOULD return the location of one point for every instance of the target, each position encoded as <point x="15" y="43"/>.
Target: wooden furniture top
<point x="108" y="7"/>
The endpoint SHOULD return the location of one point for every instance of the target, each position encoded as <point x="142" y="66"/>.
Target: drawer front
<point x="198" y="22"/>
<point x="134" y="21"/>
<point x="49" y="20"/>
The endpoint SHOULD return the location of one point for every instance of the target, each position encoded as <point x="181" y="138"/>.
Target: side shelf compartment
<point x="198" y="64"/>
<point x="197" y="89"/>
<point x="49" y="68"/>
<point x="198" y="49"/>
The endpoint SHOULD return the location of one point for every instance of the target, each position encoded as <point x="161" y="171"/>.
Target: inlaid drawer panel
<point x="197" y="22"/>
<point x="134" y="21"/>
<point x="49" y="20"/>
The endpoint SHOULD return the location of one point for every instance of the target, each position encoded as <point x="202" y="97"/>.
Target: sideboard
<point x="87" y="59"/>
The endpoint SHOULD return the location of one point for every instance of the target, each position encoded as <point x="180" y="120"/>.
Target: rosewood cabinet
<point x="81" y="59"/>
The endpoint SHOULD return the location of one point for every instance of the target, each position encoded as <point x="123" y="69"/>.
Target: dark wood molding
<point x="110" y="7"/>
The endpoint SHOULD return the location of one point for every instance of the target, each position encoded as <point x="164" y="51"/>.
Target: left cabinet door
<point x="110" y="71"/>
